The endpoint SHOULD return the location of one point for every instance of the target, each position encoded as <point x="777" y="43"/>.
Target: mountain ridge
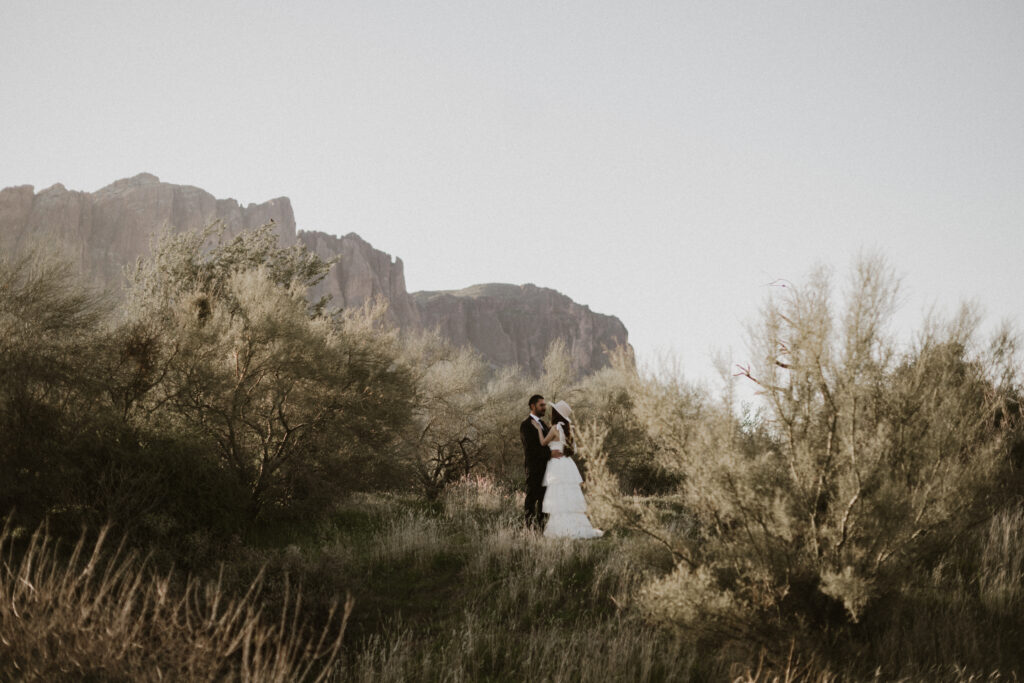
<point x="104" y="230"/>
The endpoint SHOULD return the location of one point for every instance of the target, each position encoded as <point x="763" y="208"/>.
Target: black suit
<point x="536" y="462"/>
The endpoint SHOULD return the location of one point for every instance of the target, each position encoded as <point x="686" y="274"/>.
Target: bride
<point x="563" y="499"/>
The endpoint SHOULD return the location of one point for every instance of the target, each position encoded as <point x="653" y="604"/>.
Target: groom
<point x="537" y="457"/>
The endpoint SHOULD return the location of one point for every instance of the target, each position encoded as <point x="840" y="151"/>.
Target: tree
<point x="286" y="392"/>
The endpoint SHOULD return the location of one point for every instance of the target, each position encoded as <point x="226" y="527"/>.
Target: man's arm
<point x="531" y="441"/>
<point x="524" y="435"/>
<point x="528" y="434"/>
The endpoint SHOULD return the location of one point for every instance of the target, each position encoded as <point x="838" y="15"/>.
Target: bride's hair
<point x="557" y="417"/>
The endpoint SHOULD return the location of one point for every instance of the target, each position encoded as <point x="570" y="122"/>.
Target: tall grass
<point x="460" y="591"/>
<point x="474" y="650"/>
<point x="1001" y="571"/>
<point x="99" y="615"/>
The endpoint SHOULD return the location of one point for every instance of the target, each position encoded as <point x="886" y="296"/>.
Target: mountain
<point x="104" y="230"/>
<point x="362" y="273"/>
<point x="515" y="324"/>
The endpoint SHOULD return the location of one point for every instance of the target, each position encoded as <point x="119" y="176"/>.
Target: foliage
<point x="467" y="414"/>
<point x="290" y="398"/>
<point x="861" y="519"/>
<point x="632" y="407"/>
<point x="50" y="330"/>
<point x="445" y="442"/>
<point x="869" y="462"/>
<point x="198" y="265"/>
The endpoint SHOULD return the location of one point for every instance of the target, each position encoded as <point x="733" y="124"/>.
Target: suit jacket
<point x="537" y="456"/>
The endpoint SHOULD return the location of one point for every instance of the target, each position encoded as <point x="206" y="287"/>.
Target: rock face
<point x="107" y="229"/>
<point x="514" y="325"/>
<point x="361" y="274"/>
<point x="103" y="230"/>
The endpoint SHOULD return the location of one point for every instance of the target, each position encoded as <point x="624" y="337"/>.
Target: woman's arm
<point x="552" y="433"/>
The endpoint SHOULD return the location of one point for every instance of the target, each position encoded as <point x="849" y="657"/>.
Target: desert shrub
<point x="467" y="415"/>
<point x="444" y="442"/>
<point x="1000" y="569"/>
<point x="507" y="391"/>
<point x="560" y="376"/>
<point x="167" y="494"/>
<point x="67" y="451"/>
<point x="297" y="402"/>
<point x="878" y="459"/>
<point x="618" y="398"/>
<point x="197" y="265"/>
<point x="97" y="615"/>
<point x="51" y="325"/>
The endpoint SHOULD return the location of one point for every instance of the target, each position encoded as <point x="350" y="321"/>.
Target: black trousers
<point x="535" y="498"/>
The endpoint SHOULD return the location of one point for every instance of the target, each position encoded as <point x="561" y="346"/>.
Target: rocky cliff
<point x="362" y="273"/>
<point x="515" y="324"/>
<point x="102" y="231"/>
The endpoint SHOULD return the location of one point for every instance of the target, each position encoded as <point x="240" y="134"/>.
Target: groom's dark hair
<point x="534" y="399"/>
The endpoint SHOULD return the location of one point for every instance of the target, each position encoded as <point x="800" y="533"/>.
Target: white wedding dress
<point x="563" y="498"/>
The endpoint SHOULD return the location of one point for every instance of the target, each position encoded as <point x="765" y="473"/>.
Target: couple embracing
<point x="552" y="478"/>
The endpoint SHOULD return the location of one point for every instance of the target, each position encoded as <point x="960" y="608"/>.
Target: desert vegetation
<point x="214" y="477"/>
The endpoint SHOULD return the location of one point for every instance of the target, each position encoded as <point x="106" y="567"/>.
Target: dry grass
<point x="939" y="630"/>
<point x="1001" y="574"/>
<point x="99" y="615"/>
<point x="476" y="494"/>
<point x="486" y="599"/>
<point x="460" y="591"/>
<point x="475" y="650"/>
<point x="409" y="538"/>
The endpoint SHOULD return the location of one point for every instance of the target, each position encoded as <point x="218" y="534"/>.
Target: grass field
<point x="454" y="590"/>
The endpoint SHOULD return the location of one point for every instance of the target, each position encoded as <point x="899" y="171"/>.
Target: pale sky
<point x="660" y="161"/>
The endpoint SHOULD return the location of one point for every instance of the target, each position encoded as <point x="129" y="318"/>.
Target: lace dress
<point x="563" y="498"/>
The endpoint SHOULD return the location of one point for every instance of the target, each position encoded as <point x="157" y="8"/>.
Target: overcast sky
<point x="660" y="161"/>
